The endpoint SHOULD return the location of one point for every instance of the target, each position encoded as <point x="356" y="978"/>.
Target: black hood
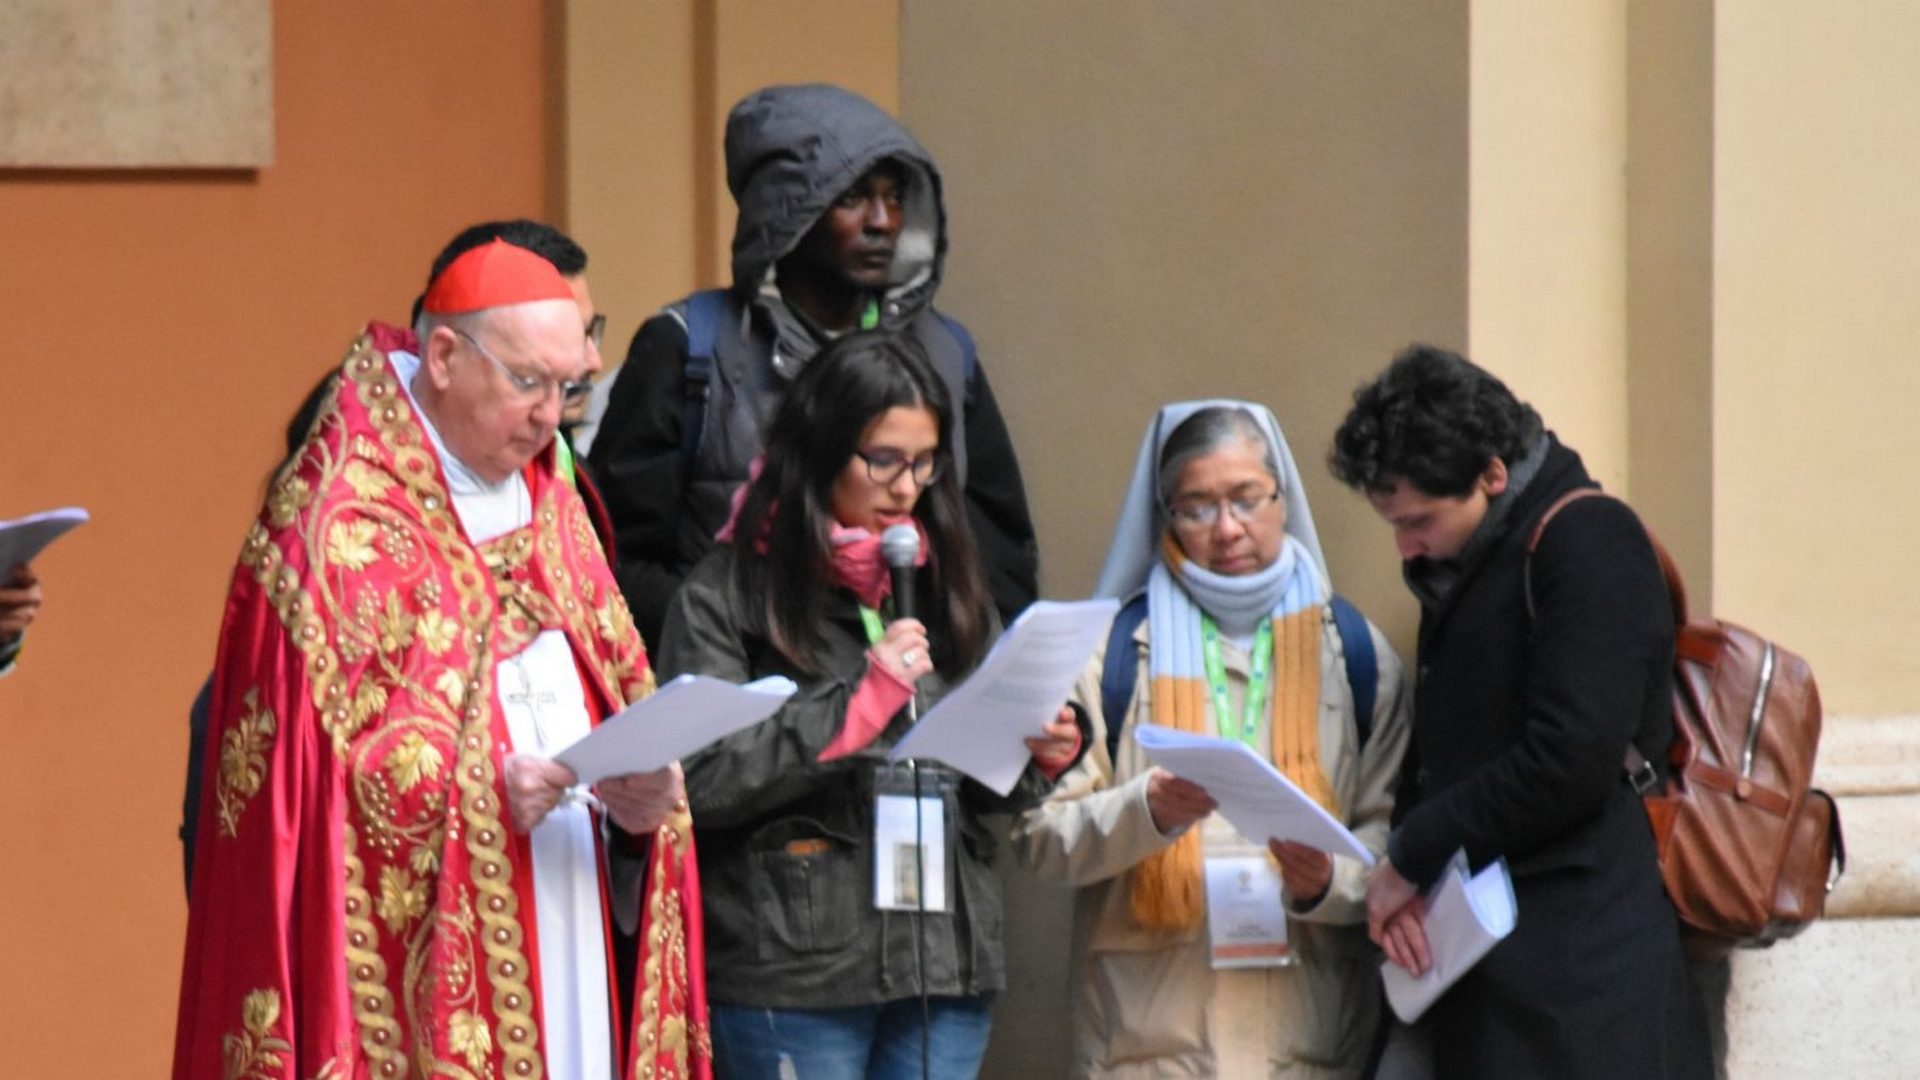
<point x="791" y="150"/>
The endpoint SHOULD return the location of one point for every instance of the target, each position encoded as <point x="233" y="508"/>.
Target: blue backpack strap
<point x="703" y="312"/>
<point x="969" y="355"/>
<point x="1120" y="671"/>
<point x="1363" y="667"/>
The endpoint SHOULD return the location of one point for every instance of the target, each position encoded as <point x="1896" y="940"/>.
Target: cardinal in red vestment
<point x="395" y="879"/>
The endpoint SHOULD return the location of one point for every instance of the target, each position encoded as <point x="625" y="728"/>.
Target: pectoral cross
<point x="536" y="702"/>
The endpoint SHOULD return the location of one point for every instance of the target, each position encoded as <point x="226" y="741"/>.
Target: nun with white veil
<point x="1197" y="951"/>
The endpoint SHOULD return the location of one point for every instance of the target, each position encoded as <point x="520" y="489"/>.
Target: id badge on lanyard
<point x="910" y="818"/>
<point x="1246" y="916"/>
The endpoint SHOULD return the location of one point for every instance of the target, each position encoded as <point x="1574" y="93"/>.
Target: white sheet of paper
<point x="980" y="727"/>
<point x="688" y="713"/>
<point x="21" y="540"/>
<point x="901" y="845"/>
<point x="1466" y="917"/>
<point x="1256" y="797"/>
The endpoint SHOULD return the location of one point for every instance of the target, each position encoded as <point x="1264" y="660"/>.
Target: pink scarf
<point x="858" y="566"/>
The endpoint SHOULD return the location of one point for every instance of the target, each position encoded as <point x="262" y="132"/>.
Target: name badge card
<point x="909" y="857"/>
<point x="1246" y="918"/>
<point x="909" y="844"/>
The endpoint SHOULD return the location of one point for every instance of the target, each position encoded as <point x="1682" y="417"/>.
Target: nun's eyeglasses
<point x="1205" y="514"/>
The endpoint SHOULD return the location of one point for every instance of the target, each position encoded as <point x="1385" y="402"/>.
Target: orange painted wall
<point x="156" y="329"/>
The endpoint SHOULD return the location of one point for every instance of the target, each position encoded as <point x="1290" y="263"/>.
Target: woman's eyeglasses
<point x="885" y="466"/>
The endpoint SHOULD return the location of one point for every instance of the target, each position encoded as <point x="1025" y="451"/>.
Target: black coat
<point x="1521" y="724"/>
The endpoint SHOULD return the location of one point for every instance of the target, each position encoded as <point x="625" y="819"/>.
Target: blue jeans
<point x="865" y="1042"/>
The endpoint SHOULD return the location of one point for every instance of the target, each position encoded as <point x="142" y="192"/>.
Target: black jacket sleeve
<point x="196" y="753"/>
<point x="1601" y="634"/>
<point x="997" y="504"/>
<point x="636" y="462"/>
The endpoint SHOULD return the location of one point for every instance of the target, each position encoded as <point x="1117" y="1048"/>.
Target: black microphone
<point x="900" y="547"/>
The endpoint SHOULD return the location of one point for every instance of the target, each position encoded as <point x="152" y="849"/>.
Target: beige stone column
<point x="1816" y="246"/>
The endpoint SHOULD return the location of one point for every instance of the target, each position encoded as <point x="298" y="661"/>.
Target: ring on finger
<point x="910" y="657"/>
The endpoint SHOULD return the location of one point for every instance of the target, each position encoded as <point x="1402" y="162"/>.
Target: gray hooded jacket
<point x="791" y="151"/>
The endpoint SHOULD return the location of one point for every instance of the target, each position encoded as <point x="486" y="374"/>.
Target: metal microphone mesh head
<point x="900" y="545"/>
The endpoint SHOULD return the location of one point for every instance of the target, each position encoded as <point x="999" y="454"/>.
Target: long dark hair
<point x="782" y="555"/>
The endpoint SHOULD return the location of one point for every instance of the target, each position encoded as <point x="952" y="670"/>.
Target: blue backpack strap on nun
<point x="1121" y="668"/>
<point x="1363" y="667"/>
<point x="703" y="312"/>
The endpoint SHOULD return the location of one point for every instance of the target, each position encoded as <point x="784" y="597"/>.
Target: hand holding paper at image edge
<point x="1254" y="796"/>
<point x="981" y="726"/>
<point x="687" y="714"/>
<point x="22" y="540"/>
<point x="1465" y="918"/>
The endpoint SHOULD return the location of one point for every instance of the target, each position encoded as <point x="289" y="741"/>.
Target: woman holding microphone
<point x="827" y="954"/>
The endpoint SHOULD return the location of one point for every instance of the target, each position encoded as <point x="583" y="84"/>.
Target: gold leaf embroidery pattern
<point x="468" y="1036"/>
<point x="369" y="700"/>
<point x="396" y="625"/>
<point x="254" y="1053"/>
<point x="402" y="899"/>
<point x="426" y="857"/>
<point x="350" y="543"/>
<point x="369" y="483"/>
<point x="452" y="686"/>
<point x="288" y="498"/>
<point x="414" y="760"/>
<point x="437" y="632"/>
<point x="243" y="761"/>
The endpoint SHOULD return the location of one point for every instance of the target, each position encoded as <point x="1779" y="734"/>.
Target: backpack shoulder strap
<point x="1640" y="771"/>
<point x="1539" y="530"/>
<point x="702" y="314"/>
<point x="1120" y="671"/>
<point x="1363" y="665"/>
<point x="969" y="353"/>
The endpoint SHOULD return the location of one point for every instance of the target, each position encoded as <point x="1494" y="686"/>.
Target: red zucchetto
<point x="493" y="275"/>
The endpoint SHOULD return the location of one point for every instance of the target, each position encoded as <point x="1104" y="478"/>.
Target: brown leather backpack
<point x="1749" y="848"/>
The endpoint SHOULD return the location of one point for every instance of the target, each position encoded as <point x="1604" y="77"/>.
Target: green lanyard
<point x="871" y="619"/>
<point x="870" y="315"/>
<point x="563" y="457"/>
<point x="1257" y="677"/>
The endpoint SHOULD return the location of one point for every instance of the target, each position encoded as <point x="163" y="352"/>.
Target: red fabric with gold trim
<point x="359" y="911"/>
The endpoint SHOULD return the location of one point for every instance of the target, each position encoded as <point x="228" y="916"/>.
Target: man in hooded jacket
<point x="842" y="227"/>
